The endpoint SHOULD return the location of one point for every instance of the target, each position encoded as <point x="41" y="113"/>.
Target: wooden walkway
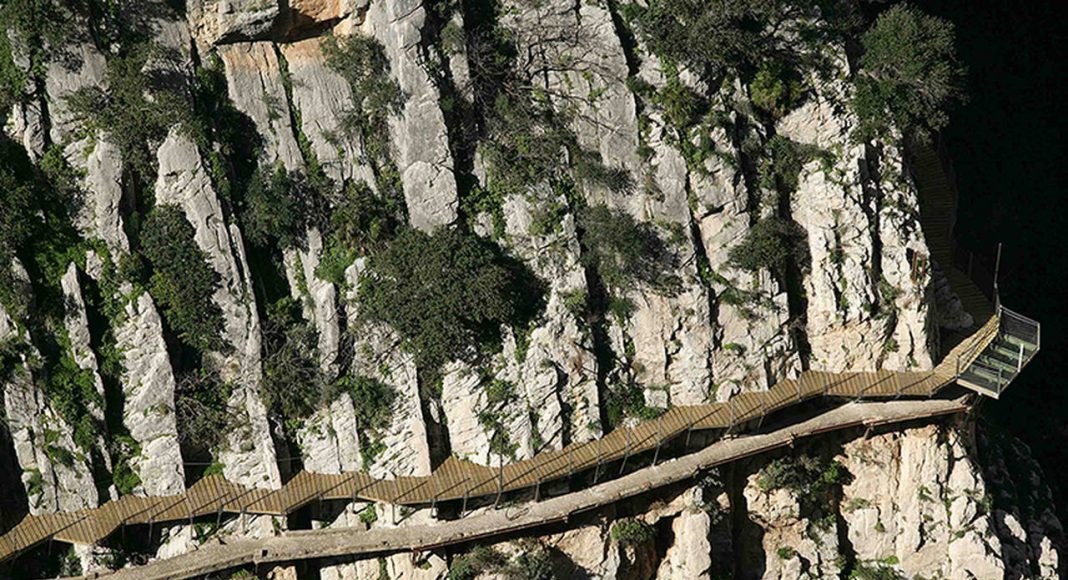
<point x="456" y="479"/>
<point x="355" y="542"/>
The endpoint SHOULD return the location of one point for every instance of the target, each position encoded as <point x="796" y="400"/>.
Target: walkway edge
<point x="327" y="543"/>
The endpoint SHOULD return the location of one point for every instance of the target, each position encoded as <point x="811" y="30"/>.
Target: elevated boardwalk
<point x="351" y="543"/>
<point x="461" y="480"/>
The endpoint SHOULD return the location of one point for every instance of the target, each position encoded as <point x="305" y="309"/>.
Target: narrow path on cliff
<point x="354" y="542"/>
<point x="461" y="480"/>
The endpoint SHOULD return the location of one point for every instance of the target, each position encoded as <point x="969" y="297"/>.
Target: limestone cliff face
<point x="54" y="478"/>
<point x="914" y="505"/>
<point x="928" y="501"/>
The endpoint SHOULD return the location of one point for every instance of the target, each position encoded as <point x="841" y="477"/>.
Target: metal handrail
<point x="971" y="353"/>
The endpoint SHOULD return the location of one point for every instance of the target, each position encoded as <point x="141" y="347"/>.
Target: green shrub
<point x="627" y="400"/>
<point x="576" y="302"/>
<point x="534" y="562"/>
<point x="707" y="37"/>
<point x="280" y="207"/>
<point x="632" y="532"/>
<point x="775" y="88"/>
<point x="874" y="571"/>
<point x="786" y="553"/>
<point x="369" y="515"/>
<point x="12" y="78"/>
<point x="814" y="480"/>
<point x="35" y="483"/>
<point x="361" y="221"/>
<point x="625" y="252"/>
<point x="362" y="62"/>
<point x="909" y="75"/>
<point x="135" y="110"/>
<point x="770" y="244"/>
<point x="36" y="227"/>
<point x="784" y="161"/>
<point x="202" y="413"/>
<point x="72" y="393"/>
<point x="447" y="294"/>
<point x="526" y="138"/>
<point x="124" y="478"/>
<point x="683" y="106"/>
<point x="292" y="385"/>
<point x="372" y="400"/>
<point x="480" y="560"/>
<point x="38" y="29"/>
<point x="182" y="282"/>
<point x="802" y="474"/>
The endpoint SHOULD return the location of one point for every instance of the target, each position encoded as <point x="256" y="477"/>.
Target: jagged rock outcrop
<point x="81" y="350"/>
<point x="420" y="138"/>
<point x="147" y="379"/>
<point x="249" y="454"/>
<point x="548" y="369"/>
<point x="867" y="296"/>
<point x="148" y="398"/>
<point x="214" y="21"/>
<point x="925" y="506"/>
<point x="912" y="504"/>
<point x="55" y="472"/>
<point x="255" y="84"/>
<point x="404" y="443"/>
<point x="690" y="554"/>
<point x="553" y="365"/>
<point x="1032" y="537"/>
<point x="317" y="297"/>
<point x="321" y="97"/>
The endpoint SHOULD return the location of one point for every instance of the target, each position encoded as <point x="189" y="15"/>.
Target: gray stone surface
<point x="420" y="138"/>
<point x="248" y="454"/>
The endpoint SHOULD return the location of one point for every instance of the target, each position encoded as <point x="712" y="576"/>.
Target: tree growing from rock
<point x="181" y="280"/>
<point x="909" y="75"/>
<point x="447" y="294"/>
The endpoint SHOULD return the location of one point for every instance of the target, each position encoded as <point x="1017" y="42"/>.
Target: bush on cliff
<point x="447" y="293"/>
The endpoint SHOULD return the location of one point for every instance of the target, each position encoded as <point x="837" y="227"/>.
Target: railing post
<point x="659" y="442"/>
<point x="1019" y="361"/>
<point x="626" y="453"/>
<point x="600" y="458"/>
<point x="997" y="272"/>
<point x="500" y="480"/>
<point x="730" y="407"/>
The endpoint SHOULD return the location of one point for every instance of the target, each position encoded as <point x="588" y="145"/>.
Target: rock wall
<point x="865" y="297"/>
<point x="55" y="472"/>
<point x="914" y="504"/>
<point x="420" y="138"/>
<point x="183" y="181"/>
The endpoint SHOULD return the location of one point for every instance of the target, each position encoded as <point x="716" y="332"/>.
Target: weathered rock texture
<point x="914" y="504"/>
<point x="249" y="455"/>
<point x="420" y="137"/>
<point x="55" y="472"/>
<point x="865" y="298"/>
